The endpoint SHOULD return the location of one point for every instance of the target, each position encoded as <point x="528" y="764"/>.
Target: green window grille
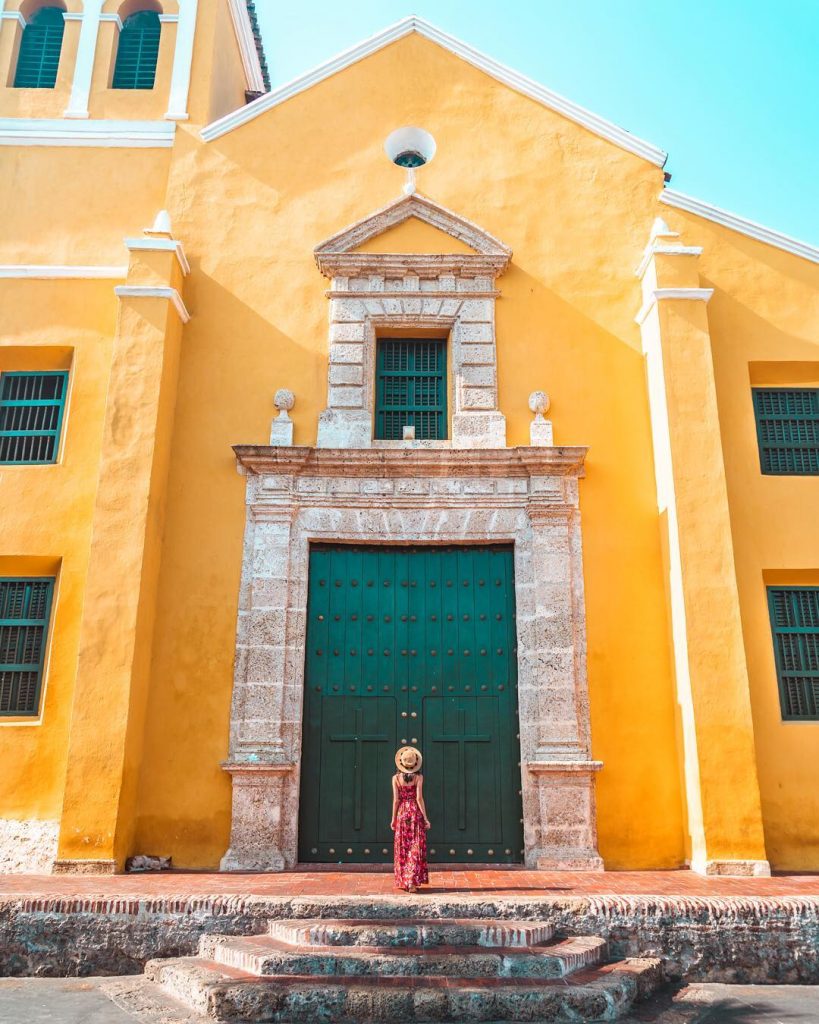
<point x="31" y="414"/>
<point x="25" y="605"/>
<point x="137" y="51"/>
<point x="40" y="48"/>
<point x="411" y="389"/>
<point x="795" y="623"/>
<point x="787" y="427"/>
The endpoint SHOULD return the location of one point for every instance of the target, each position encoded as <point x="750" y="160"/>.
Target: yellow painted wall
<point x="250" y="207"/>
<point x="565" y="322"/>
<point x="46" y="513"/>
<point x="764" y="322"/>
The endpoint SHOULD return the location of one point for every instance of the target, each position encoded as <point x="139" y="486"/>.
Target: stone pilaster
<point x="113" y="672"/>
<point x="719" y="759"/>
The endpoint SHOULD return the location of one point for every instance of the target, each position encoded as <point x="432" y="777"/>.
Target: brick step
<point x="264" y="955"/>
<point x="412" y="932"/>
<point x="224" y="994"/>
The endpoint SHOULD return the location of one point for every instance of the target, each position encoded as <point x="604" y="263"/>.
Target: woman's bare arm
<point x="394" y="801"/>
<point x="419" y="796"/>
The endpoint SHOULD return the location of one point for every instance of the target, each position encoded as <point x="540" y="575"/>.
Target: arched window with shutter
<point x="40" y="48"/>
<point x="137" y="51"/>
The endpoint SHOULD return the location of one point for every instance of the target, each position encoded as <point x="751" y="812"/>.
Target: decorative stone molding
<point x="524" y="496"/>
<point x="27" y="847"/>
<point x="540" y="429"/>
<point x="452" y="294"/>
<point x="281" y="429"/>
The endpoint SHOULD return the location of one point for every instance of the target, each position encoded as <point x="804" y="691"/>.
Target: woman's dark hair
<point x="408" y="777"/>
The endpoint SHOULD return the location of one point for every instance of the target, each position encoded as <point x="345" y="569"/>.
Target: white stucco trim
<point x="520" y="83"/>
<point x="680" y="201"/>
<point x="48" y="272"/>
<point x="160" y="245"/>
<point x="13" y="16"/>
<point x="36" y="131"/>
<point x="247" y="45"/>
<point x="655" y="295"/>
<point x="182" y="59"/>
<point x="139" y="291"/>
<point x="656" y="248"/>
<point x="84" y="64"/>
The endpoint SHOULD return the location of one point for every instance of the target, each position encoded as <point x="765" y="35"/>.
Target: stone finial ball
<point x="539" y="402"/>
<point x="284" y="399"/>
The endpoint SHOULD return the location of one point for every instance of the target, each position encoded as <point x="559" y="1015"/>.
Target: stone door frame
<point x="524" y="496"/>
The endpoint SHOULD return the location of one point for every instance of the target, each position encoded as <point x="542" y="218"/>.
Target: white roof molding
<point x="520" y="83"/>
<point x="247" y="45"/>
<point x="336" y="255"/>
<point x="50" y="272"/>
<point x="745" y="227"/>
<point x="43" y="131"/>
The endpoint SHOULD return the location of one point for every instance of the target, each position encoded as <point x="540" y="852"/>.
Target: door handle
<point x="414" y="714"/>
<point x="403" y="714"/>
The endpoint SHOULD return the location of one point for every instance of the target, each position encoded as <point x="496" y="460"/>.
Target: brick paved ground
<point x="515" y="882"/>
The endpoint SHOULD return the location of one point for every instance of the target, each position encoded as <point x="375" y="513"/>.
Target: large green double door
<point x="410" y="646"/>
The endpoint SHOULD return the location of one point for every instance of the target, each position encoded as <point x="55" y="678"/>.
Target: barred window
<point x="31" y="416"/>
<point x="25" y="605"/>
<point x="795" y="623"/>
<point x="137" y="51"/>
<point x="787" y="426"/>
<point x="40" y="48"/>
<point x="411" y="389"/>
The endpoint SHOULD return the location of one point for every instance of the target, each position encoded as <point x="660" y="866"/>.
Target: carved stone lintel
<point x="262" y="832"/>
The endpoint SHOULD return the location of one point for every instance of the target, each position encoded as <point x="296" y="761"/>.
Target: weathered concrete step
<point x="411" y="932"/>
<point x="263" y="955"/>
<point x="227" y="995"/>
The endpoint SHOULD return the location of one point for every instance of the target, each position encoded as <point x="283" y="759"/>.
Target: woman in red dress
<point x="409" y="821"/>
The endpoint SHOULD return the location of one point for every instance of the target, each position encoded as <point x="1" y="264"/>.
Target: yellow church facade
<point x="528" y="466"/>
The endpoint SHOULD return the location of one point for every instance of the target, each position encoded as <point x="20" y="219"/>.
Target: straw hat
<point x="408" y="760"/>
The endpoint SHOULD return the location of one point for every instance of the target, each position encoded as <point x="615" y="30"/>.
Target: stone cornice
<point x="360" y="264"/>
<point x="335" y="256"/>
<point x="373" y="462"/>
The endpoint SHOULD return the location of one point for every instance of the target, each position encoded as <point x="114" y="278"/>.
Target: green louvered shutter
<point x="137" y="51"/>
<point x="40" y="49"/>
<point x="795" y="623"/>
<point x="31" y="415"/>
<point x="787" y="426"/>
<point x="411" y="389"/>
<point x="25" y="605"/>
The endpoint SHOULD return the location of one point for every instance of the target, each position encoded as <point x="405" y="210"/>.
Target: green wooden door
<point x="410" y="645"/>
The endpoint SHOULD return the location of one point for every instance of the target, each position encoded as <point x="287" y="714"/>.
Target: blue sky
<point x="729" y="89"/>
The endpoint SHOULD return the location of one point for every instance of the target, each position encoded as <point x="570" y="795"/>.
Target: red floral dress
<point x="410" y="840"/>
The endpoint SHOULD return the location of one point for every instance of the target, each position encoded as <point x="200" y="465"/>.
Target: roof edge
<point x="681" y="201"/>
<point x="520" y="83"/>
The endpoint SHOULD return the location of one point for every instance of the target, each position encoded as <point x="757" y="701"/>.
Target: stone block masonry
<point x="741" y="939"/>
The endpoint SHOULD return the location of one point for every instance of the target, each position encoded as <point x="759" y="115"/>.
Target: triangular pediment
<point x="472" y="246"/>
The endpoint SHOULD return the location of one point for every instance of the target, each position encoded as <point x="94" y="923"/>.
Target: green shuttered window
<point x="411" y="389"/>
<point x="137" y="51"/>
<point x="787" y="426"/>
<point x="31" y="414"/>
<point x="40" y="48"/>
<point x="25" y="605"/>
<point x="795" y="623"/>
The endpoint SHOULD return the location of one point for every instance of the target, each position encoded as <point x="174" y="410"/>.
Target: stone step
<point x="412" y="932"/>
<point x="264" y="955"/>
<point x="225" y="994"/>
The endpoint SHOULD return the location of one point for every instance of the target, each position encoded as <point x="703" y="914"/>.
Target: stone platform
<point x="741" y="930"/>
